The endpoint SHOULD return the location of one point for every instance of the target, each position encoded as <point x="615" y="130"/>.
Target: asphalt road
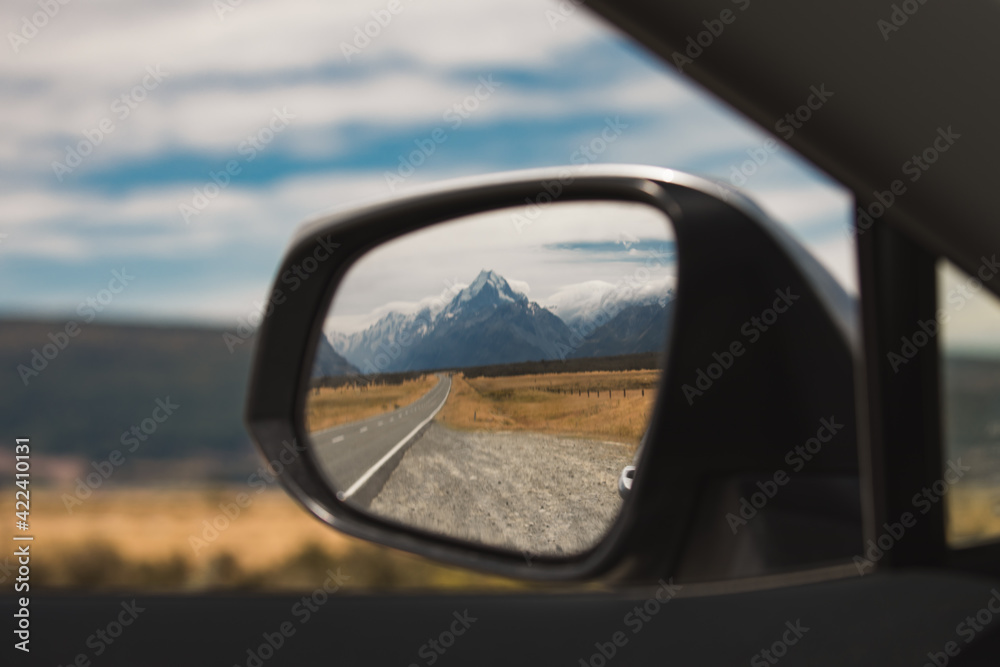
<point x="357" y="457"/>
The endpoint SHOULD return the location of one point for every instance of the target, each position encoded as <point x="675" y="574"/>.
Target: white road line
<point x="363" y="429"/>
<point x="380" y="423"/>
<point x="382" y="461"/>
<point x="339" y="438"/>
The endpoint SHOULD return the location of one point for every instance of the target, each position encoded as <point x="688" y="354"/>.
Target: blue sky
<point x="170" y="94"/>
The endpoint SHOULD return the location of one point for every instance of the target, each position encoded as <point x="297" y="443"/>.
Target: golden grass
<point x="142" y="539"/>
<point x="146" y="524"/>
<point x="618" y="407"/>
<point x="328" y="407"/>
<point x="973" y="514"/>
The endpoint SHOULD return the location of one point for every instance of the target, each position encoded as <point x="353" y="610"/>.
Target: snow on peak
<point x="492" y="279"/>
<point x="583" y="302"/>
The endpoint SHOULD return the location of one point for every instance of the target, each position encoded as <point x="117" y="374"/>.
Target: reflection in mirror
<point x="489" y="378"/>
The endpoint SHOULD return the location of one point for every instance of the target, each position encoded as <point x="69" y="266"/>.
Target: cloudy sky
<point x="185" y="143"/>
<point x="568" y="257"/>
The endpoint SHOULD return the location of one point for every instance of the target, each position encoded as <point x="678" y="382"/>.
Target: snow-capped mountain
<point x="391" y="331"/>
<point x="488" y="290"/>
<point x="489" y="322"/>
<point x="330" y="364"/>
<point x="585" y="306"/>
<point x="635" y="327"/>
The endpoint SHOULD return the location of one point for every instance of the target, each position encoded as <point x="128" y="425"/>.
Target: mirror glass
<point x="489" y="378"/>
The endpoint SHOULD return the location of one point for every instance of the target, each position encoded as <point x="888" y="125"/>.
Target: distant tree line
<point x="624" y="362"/>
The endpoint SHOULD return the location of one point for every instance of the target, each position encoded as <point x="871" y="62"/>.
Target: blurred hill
<point x="108" y="378"/>
<point x="971" y="387"/>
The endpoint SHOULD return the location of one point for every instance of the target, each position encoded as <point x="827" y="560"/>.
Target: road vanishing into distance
<point x="530" y="492"/>
<point x="362" y="454"/>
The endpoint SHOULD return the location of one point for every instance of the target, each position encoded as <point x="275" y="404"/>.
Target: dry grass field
<point x="617" y="408"/>
<point x="973" y="513"/>
<point x="328" y="407"/>
<point x="145" y="539"/>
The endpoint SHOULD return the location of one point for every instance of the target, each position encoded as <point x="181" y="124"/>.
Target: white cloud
<point x="580" y="302"/>
<point x="266" y="55"/>
<point x="225" y="77"/>
<point x="520" y="286"/>
<point x="807" y="205"/>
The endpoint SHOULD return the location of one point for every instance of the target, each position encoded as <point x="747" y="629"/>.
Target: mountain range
<point x="488" y="322"/>
<point x="328" y="363"/>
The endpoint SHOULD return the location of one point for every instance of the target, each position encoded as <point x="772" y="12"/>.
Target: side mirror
<point x="463" y="372"/>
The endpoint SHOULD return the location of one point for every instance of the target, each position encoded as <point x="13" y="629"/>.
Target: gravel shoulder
<point x="535" y="493"/>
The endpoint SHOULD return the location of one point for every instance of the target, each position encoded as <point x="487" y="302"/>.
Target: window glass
<point x="970" y="367"/>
